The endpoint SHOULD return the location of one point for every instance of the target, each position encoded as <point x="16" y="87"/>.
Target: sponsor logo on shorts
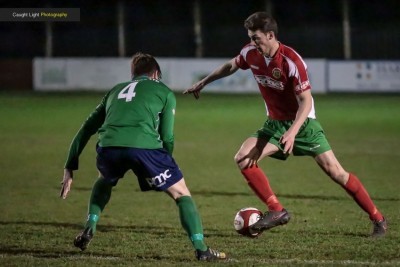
<point x="159" y="180"/>
<point x="314" y="147"/>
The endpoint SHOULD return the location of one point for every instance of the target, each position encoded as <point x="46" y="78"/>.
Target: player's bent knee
<point x="241" y="160"/>
<point x="177" y="194"/>
<point x="236" y="158"/>
<point x="178" y="190"/>
<point x="242" y="164"/>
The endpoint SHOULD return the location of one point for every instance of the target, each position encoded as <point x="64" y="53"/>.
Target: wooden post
<point x="346" y="30"/>
<point x="198" y="37"/>
<point x="49" y="39"/>
<point x="121" y="28"/>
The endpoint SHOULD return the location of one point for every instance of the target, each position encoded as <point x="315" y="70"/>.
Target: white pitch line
<point x="326" y="262"/>
<point x="233" y="260"/>
<point x="76" y="257"/>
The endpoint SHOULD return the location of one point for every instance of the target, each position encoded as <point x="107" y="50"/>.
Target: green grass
<point x="143" y="229"/>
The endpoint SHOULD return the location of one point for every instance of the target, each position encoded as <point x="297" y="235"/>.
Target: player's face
<point x="263" y="41"/>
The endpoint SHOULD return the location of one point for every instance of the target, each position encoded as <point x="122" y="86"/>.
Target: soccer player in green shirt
<point x="134" y="122"/>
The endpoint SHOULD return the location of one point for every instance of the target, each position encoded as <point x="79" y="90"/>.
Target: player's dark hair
<point x="261" y="21"/>
<point x="143" y="64"/>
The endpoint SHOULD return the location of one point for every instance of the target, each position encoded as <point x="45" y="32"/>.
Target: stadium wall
<point x="100" y="74"/>
<point x="15" y="74"/>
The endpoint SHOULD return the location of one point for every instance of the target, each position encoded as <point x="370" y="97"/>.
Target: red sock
<point x="355" y="188"/>
<point x="258" y="182"/>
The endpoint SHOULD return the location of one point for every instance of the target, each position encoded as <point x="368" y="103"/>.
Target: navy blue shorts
<point x="155" y="169"/>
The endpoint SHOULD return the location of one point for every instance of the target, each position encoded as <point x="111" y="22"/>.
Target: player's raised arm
<point x="224" y="70"/>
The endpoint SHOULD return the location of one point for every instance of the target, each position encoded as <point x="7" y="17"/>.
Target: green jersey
<point x="138" y="114"/>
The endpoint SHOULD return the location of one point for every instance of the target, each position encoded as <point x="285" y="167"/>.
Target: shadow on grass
<point x="46" y="254"/>
<point x="158" y="230"/>
<point x="290" y="196"/>
<point x="157" y="233"/>
<point x="209" y="193"/>
<point x="164" y="231"/>
<point x="323" y="234"/>
<point x="41" y="253"/>
<point x="54" y="224"/>
<point x="82" y="188"/>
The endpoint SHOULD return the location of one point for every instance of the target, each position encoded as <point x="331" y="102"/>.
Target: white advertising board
<point x="364" y="76"/>
<point x="178" y="73"/>
<point x="79" y="74"/>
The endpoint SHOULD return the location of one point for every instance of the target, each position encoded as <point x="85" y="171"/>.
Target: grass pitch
<point x="142" y="229"/>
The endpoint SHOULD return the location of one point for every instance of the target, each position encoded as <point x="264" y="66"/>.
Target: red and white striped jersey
<point x="279" y="78"/>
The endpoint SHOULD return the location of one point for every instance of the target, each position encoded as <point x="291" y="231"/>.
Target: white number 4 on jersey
<point x="128" y="92"/>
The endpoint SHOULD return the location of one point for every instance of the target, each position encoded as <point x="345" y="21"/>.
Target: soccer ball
<point x="244" y="218"/>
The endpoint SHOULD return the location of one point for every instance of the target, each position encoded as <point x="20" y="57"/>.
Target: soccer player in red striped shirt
<point x="291" y="126"/>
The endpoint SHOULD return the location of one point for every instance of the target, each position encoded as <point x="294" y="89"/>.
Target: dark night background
<point x="165" y="28"/>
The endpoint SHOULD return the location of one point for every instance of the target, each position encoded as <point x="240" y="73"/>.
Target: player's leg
<point x="157" y="170"/>
<point x="191" y="221"/>
<point x="101" y="193"/>
<point x="251" y="151"/>
<point x="188" y="214"/>
<point x="331" y="166"/>
<point x="110" y="164"/>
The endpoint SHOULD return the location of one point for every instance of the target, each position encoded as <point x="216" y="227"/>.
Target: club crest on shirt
<point x="276" y="73"/>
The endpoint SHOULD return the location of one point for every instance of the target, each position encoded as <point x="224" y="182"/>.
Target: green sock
<point x="101" y="193"/>
<point x="191" y="222"/>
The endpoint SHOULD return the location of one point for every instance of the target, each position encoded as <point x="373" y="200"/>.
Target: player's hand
<point x="195" y="89"/>
<point x="287" y="140"/>
<point x="66" y="183"/>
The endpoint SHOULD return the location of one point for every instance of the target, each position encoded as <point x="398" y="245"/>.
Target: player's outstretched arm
<point x="195" y="89"/>
<point x="224" y="70"/>
<point x="66" y="183"/>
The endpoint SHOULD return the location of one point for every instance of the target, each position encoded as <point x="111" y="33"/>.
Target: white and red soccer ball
<point x="244" y="219"/>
